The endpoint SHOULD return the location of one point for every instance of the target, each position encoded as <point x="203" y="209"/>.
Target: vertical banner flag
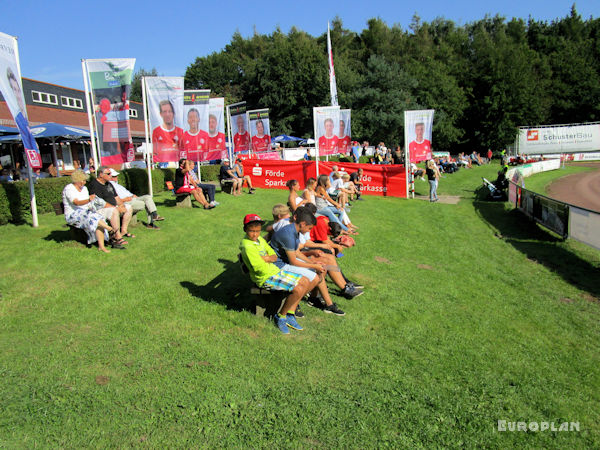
<point x="12" y="91"/>
<point x="344" y="132"/>
<point x="195" y="113"/>
<point x="216" y="130"/>
<point x="165" y="106"/>
<point x="332" y="84"/>
<point x="260" y="130"/>
<point x="110" y="85"/>
<point x="239" y="126"/>
<point x="325" y="119"/>
<point x="418" y="127"/>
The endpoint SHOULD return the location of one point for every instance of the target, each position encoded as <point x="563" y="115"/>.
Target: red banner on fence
<point x="385" y="180"/>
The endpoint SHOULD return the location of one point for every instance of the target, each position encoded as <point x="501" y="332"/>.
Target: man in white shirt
<point x="137" y="203"/>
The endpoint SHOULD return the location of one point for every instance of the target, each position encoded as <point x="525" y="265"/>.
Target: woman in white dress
<point x="80" y="210"/>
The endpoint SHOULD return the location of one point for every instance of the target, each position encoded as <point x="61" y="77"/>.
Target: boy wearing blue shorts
<point x="259" y="258"/>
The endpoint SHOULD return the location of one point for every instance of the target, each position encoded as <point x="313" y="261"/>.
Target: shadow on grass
<point x="231" y="288"/>
<point x="539" y="245"/>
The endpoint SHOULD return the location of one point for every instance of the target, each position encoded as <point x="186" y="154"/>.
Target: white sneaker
<point x="216" y="203"/>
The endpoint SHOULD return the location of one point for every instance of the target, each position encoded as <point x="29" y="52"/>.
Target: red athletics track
<point x="580" y="189"/>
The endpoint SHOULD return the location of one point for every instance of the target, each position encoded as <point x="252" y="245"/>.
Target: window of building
<point x="133" y="113"/>
<point x="43" y="97"/>
<point x="70" y="102"/>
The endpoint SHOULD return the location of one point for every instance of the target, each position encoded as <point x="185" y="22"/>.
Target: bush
<point x="14" y="197"/>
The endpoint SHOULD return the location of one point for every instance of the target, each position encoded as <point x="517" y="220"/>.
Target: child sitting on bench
<point x="259" y="257"/>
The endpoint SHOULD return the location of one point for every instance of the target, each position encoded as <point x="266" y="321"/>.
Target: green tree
<point x="136" y="84"/>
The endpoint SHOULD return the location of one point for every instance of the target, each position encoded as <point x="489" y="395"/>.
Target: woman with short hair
<point x="80" y="211"/>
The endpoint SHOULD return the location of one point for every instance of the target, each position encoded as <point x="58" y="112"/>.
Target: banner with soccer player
<point x="418" y="126"/>
<point x="239" y="126"/>
<point x="165" y="107"/>
<point x="12" y="92"/>
<point x="110" y="85"/>
<point x="216" y="130"/>
<point x="344" y="132"/>
<point x="260" y="130"/>
<point x="195" y="134"/>
<point x="325" y="119"/>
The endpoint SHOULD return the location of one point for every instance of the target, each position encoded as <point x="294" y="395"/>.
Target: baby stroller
<point x="494" y="193"/>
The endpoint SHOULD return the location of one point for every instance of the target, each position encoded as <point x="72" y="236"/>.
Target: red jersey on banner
<point x="419" y="151"/>
<point x="261" y="144"/>
<point x="241" y="142"/>
<point x="343" y="144"/>
<point x="327" y="145"/>
<point x="194" y="144"/>
<point x="216" y="142"/>
<point x="166" y="144"/>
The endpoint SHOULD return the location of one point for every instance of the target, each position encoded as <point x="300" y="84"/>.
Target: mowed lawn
<point x="470" y="315"/>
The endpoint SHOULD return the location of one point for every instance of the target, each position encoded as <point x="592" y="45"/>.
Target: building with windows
<point x="48" y="102"/>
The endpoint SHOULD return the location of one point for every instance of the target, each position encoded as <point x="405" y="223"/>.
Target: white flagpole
<point x="332" y="83"/>
<point x="89" y="111"/>
<point x="33" y="204"/>
<point x="148" y="153"/>
<point x="316" y="140"/>
<point x="230" y="151"/>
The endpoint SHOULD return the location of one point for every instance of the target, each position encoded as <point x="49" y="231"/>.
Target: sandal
<point x="129" y="235"/>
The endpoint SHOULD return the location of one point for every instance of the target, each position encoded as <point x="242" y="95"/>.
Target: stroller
<point x="494" y="193"/>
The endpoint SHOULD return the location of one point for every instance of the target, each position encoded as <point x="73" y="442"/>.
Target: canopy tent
<point x="285" y="138"/>
<point x="53" y="131"/>
<point x="8" y="130"/>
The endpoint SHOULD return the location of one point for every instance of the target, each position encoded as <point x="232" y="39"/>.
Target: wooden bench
<point x="181" y="200"/>
<point x="267" y="302"/>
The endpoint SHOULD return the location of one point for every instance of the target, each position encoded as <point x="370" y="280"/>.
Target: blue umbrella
<point x="285" y="138"/>
<point x="51" y="130"/>
<point x="8" y="130"/>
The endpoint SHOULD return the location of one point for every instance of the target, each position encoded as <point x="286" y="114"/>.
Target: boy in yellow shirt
<point x="259" y="258"/>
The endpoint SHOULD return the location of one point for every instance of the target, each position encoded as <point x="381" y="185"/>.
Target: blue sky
<point x="54" y="35"/>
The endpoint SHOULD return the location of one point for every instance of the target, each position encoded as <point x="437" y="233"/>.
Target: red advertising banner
<point x="384" y="180"/>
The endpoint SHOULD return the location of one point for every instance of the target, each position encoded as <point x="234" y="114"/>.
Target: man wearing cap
<point x="238" y="171"/>
<point x="226" y="173"/>
<point x="259" y="257"/>
<point x="137" y="203"/>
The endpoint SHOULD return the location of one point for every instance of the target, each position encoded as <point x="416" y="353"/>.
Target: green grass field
<point x="470" y="315"/>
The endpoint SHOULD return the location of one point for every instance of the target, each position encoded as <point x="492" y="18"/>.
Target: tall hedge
<point x="14" y="197"/>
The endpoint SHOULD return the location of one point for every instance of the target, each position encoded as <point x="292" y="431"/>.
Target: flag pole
<point x="148" y="153"/>
<point x="89" y="111"/>
<point x="33" y="204"/>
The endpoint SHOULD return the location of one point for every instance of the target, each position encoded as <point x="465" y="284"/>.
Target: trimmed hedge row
<point x="14" y="197"/>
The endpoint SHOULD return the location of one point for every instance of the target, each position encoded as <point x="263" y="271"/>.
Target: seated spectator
<point x="501" y="182"/>
<point x="285" y="243"/>
<point x="226" y="173"/>
<point x="475" y="159"/>
<point x="81" y="212"/>
<point x="416" y="171"/>
<point x="260" y="259"/>
<point x="238" y="171"/>
<point x="184" y="184"/>
<point x="337" y="191"/>
<point x="309" y="191"/>
<point x="326" y="206"/>
<point x="294" y="200"/>
<point x="209" y="190"/>
<point x="350" y="187"/>
<point x="281" y="218"/>
<point x="333" y="170"/>
<point x="101" y="187"/>
<point x="356" y="179"/>
<point x="316" y="245"/>
<point x="137" y="203"/>
<point x="6" y="175"/>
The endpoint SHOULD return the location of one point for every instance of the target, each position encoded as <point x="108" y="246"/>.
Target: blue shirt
<point x="283" y="240"/>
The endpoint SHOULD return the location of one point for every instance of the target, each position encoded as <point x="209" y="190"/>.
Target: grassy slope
<point x="470" y="316"/>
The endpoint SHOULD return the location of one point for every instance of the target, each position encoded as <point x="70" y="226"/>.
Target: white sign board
<point x="567" y="139"/>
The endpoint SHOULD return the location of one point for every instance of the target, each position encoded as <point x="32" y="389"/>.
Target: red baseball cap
<point x="252" y="218"/>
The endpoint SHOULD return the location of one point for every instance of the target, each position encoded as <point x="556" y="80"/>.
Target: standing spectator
<point x="433" y="175"/>
<point x="307" y="154"/>
<point x="489" y="155"/>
